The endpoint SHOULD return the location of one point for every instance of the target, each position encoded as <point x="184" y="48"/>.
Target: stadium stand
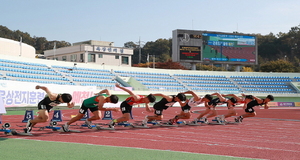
<point x="154" y="80"/>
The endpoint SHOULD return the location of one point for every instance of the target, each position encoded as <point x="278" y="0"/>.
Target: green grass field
<point x="22" y="149"/>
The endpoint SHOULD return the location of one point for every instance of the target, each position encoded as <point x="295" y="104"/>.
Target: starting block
<point x="52" y="126"/>
<point x="155" y="123"/>
<point x="86" y="116"/>
<point x="7" y="131"/>
<point x="57" y="116"/>
<point x="181" y="122"/>
<point x="102" y="128"/>
<point x="217" y="120"/>
<point x="125" y="124"/>
<point x="108" y="115"/>
<point x="28" y="116"/>
<point x="84" y="125"/>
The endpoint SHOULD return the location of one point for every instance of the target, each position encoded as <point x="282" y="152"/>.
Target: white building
<point x="15" y="48"/>
<point x="97" y="52"/>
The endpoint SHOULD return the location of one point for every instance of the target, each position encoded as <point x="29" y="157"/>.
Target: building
<point x="97" y="52"/>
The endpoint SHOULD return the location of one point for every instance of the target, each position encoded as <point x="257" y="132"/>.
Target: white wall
<point x="14" y="48"/>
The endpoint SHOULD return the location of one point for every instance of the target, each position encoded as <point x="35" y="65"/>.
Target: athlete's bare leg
<point x="96" y="115"/>
<point x="41" y="118"/>
<point x="231" y="112"/>
<point x="249" y="115"/>
<point x="155" y="117"/>
<point x="125" y="117"/>
<point x="76" y="118"/>
<point x="213" y="113"/>
<point x="207" y="110"/>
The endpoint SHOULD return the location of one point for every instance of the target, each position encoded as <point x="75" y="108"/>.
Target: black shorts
<point x="249" y="110"/>
<point x="186" y="108"/>
<point x="125" y="107"/>
<point x="84" y="109"/>
<point x="158" y="112"/>
<point x="43" y="106"/>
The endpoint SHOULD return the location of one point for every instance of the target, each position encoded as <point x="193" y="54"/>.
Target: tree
<point x="170" y="65"/>
<point x="160" y="48"/>
<point x="278" y="66"/>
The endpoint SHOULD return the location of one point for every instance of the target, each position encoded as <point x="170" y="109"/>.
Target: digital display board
<point x="194" y="46"/>
<point x="190" y="53"/>
<point x="228" y="48"/>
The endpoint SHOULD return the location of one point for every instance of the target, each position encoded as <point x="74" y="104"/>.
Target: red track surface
<point x="272" y="134"/>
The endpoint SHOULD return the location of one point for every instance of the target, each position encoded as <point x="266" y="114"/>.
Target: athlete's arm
<point x="135" y="97"/>
<point x="105" y="91"/>
<point x="257" y="99"/>
<point x="222" y="99"/>
<point x="196" y="97"/>
<point x="51" y="95"/>
<point x="206" y="104"/>
<point x="239" y="99"/>
<point x="169" y="98"/>
<point x="148" y="109"/>
<point x="102" y="100"/>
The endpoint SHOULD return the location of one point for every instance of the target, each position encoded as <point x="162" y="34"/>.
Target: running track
<point x="272" y="134"/>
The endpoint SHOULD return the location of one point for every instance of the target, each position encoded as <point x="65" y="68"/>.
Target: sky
<point x="122" y="21"/>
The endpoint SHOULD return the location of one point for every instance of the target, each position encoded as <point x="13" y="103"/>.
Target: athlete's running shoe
<point x="88" y="123"/>
<point x="111" y="124"/>
<point x="236" y="120"/>
<point x="65" y="127"/>
<point x="27" y="130"/>
<point x="241" y="119"/>
<point x="195" y="121"/>
<point x="170" y="122"/>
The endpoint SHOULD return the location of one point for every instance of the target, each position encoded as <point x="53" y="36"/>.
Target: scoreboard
<point x="216" y="47"/>
<point x="190" y="53"/>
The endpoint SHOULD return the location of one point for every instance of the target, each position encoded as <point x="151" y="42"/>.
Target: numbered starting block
<point x="86" y="116"/>
<point x="28" y="116"/>
<point x="57" y="116"/>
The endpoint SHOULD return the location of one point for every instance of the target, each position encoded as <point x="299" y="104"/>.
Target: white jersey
<point x="193" y="103"/>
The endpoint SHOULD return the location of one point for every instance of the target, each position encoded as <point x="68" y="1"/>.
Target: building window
<point x="73" y="58"/>
<point x="125" y="60"/>
<point x="91" y="58"/>
<point x="117" y="57"/>
<point x="81" y="58"/>
<point x="64" y="58"/>
<point x="100" y="55"/>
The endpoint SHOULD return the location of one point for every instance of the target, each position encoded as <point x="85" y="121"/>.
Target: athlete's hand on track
<point x="71" y="105"/>
<point x="149" y="110"/>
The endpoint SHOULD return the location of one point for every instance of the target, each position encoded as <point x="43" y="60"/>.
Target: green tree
<point x="278" y="66"/>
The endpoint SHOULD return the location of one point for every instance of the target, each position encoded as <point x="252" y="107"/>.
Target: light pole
<point x="153" y="60"/>
<point x="140" y="49"/>
<point x="20" y="46"/>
